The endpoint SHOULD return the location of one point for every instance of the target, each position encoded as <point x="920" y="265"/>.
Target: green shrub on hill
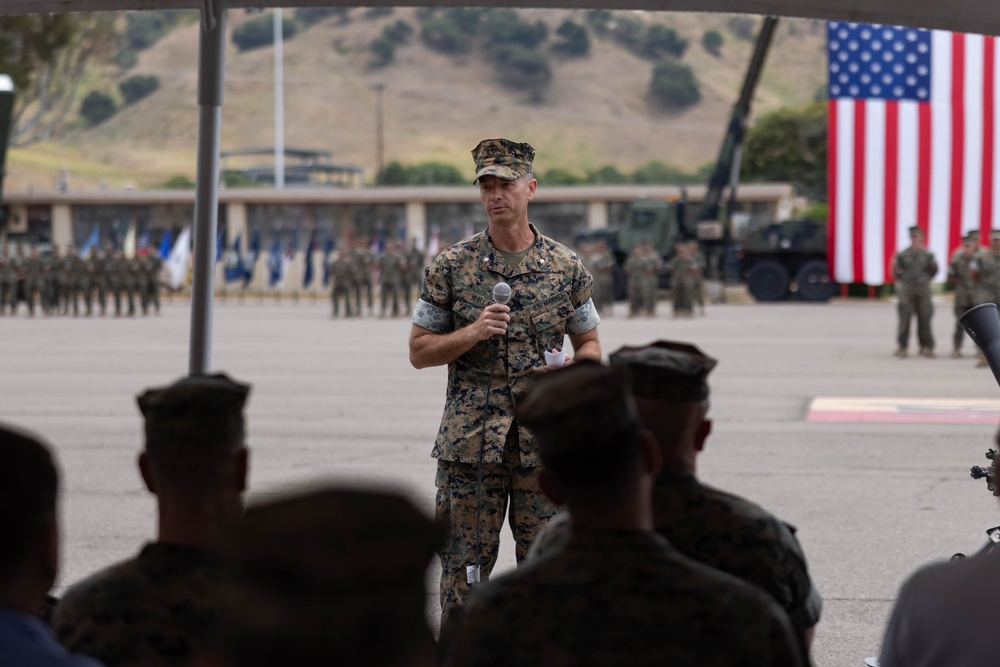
<point x="557" y="176"/>
<point x="523" y="69"/>
<point x="97" y="107"/>
<point x="656" y="172"/>
<point x="674" y="86"/>
<point x="179" y="182"/>
<point x="259" y="32"/>
<point x="424" y="173"/>
<point x="599" y="20"/>
<point x="660" y="41"/>
<point x="137" y="87"/>
<point x="468" y="19"/>
<point x="398" y="32"/>
<point x="505" y="27"/>
<point x="143" y="29"/>
<point x="383" y="51"/>
<point x="310" y="15"/>
<point x="743" y="27"/>
<point x="441" y="33"/>
<point x="627" y="31"/>
<point x="608" y="174"/>
<point x="378" y="12"/>
<point x="573" y="39"/>
<point x="712" y="41"/>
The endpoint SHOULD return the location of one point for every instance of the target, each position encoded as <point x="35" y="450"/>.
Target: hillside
<point x="436" y="106"/>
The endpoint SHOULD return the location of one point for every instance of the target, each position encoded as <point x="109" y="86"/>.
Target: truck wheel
<point x="814" y="282"/>
<point x="768" y="281"/>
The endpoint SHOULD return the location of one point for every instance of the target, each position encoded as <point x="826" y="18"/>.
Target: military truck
<point x="780" y="259"/>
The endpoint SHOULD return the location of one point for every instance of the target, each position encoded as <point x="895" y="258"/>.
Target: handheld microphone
<point x="501" y="293"/>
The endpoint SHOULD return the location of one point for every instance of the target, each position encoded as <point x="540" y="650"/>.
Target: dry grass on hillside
<point x="437" y="107"/>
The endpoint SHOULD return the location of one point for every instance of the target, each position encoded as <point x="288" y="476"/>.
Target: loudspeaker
<point x="982" y="323"/>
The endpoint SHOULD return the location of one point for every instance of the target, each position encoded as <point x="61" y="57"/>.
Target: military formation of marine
<point x="400" y="272"/>
<point x="643" y="269"/>
<point x="974" y="273"/>
<point x="62" y="282"/>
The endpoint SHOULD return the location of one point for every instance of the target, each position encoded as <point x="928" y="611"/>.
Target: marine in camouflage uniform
<point x="914" y="268"/>
<point x="329" y="577"/>
<point x="78" y="280"/>
<point x="643" y="269"/>
<point x="342" y="277"/>
<point x="415" y="263"/>
<point x="617" y="593"/>
<point x="151" y="266"/>
<point x="98" y="265"/>
<point x="454" y="323"/>
<point x="720" y="529"/>
<point x="392" y="268"/>
<point x="604" y="278"/>
<point x="161" y="608"/>
<point x="684" y="282"/>
<point x="962" y="270"/>
<point x="362" y="261"/>
<point x="32" y="279"/>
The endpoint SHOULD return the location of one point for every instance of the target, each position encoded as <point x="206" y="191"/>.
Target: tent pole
<point x="211" y="66"/>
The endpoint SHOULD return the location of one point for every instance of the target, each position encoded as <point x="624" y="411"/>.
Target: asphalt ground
<point x="338" y="401"/>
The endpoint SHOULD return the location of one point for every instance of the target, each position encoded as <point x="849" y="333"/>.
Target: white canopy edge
<point x="979" y="16"/>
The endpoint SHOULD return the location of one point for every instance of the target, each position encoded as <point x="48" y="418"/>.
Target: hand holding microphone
<point x="493" y="320"/>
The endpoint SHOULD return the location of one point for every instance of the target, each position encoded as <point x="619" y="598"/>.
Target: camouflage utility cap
<point x="199" y="408"/>
<point x="667" y="371"/>
<point x="916" y="231"/>
<point x="584" y="401"/>
<point x="502" y="158"/>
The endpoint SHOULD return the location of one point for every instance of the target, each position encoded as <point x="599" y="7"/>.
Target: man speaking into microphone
<point x="494" y="352"/>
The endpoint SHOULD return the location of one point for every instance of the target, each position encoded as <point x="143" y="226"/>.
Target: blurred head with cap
<point x="195" y="457"/>
<point x="670" y="385"/>
<point x="331" y="576"/>
<point x="506" y="184"/>
<point x="596" y="459"/>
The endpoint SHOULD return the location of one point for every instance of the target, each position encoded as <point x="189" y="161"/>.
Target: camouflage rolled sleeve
<point x="585" y="317"/>
<point x="433" y="309"/>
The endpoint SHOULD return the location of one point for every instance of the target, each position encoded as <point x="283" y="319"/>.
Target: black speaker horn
<point x="982" y="323"/>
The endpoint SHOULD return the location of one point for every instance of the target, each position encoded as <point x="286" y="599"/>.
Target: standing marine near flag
<point x="643" y="270"/>
<point x="392" y="266"/>
<point x="341" y="272"/>
<point x="32" y="279"/>
<point x="77" y="281"/>
<point x="97" y="264"/>
<point x="494" y="353"/>
<point x="362" y="260"/>
<point x="914" y="268"/>
<point x="962" y="271"/>
<point x="151" y="266"/>
<point x="415" y="262"/>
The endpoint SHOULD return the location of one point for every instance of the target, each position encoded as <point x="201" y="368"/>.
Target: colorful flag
<point x="142" y="245"/>
<point x="177" y="262"/>
<point x="92" y="241"/>
<point x="308" y="277"/>
<point x="165" y="244"/>
<point x="128" y="248"/>
<point x="913" y="141"/>
<point x="234" y="267"/>
<point x="327" y="250"/>
<point x="250" y="261"/>
<point x="274" y="265"/>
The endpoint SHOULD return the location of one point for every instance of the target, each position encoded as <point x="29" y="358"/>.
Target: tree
<point x="46" y="55"/>
<point x="137" y="87"/>
<point x="523" y="69"/>
<point x="557" y="176"/>
<point x="607" y="174"/>
<point x="259" y="32"/>
<point x="712" y="41"/>
<point x="788" y="145"/>
<point x="660" y="41"/>
<point x="443" y="34"/>
<point x="599" y="20"/>
<point x="398" y="32"/>
<point x="383" y="51"/>
<point x="573" y="40"/>
<point x="655" y="172"/>
<point x="743" y="27"/>
<point x="505" y="27"/>
<point x="97" y="108"/>
<point x="674" y="86"/>
<point x="310" y="15"/>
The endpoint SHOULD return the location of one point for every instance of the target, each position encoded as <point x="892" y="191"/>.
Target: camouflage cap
<point x="583" y="401"/>
<point x="667" y="371"/>
<point x="327" y="573"/>
<point x="502" y="158"/>
<point x="914" y="231"/>
<point x="197" y="408"/>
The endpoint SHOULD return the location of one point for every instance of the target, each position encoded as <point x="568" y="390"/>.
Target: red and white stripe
<point x="936" y="164"/>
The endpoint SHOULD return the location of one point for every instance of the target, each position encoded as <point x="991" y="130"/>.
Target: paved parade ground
<point x="793" y="400"/>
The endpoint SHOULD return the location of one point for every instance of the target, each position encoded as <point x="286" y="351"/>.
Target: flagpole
<point x="212" y="57"/>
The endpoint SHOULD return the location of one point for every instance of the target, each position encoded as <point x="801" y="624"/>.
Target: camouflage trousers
<point x="921" y="306"/>
<point x="341" y="293"/>
<point x="503" y="484"/>
<point x="642" y="295"/>
<point x="683" y="296"/>
<point x="960" y="307"/>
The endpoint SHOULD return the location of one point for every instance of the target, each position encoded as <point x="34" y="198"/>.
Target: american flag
<point x="913" y="119"/>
